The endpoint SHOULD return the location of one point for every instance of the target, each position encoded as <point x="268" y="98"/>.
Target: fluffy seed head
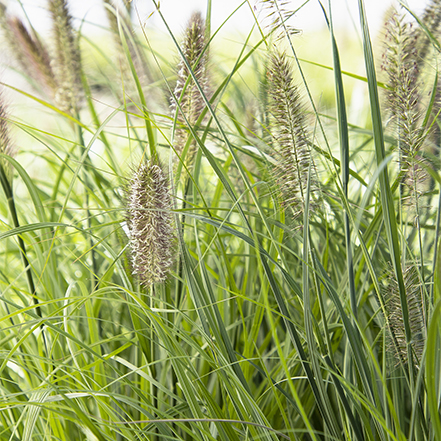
<point x="292" y="156"/>
<point x="191" y="101"/>
<point x="432" y="20"/>
<point x="67" y="60"/>
<point x="150" y="223"/>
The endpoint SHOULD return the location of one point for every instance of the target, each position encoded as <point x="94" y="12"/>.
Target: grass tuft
<point x="194" y="303"/>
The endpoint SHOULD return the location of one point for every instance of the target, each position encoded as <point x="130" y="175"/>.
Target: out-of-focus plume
<point x="28" y="51"/>
<point x="67" y="59"/>
<point x="5" y="143"/>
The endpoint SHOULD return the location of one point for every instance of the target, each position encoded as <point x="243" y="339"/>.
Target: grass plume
<point x="150" y="223"/>
<point x="432" y="20"/>
<point x="238" y="330"/>
<point x="292" y="155"/>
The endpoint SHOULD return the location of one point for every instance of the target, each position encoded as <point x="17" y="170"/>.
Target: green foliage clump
<point x="198" y="248"/>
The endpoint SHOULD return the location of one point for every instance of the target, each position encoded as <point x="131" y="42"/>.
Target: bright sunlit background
<point x="177" y="12"/>
<point x="236" y="18"/>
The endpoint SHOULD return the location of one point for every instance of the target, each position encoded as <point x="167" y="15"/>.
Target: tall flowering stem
<point x="150" y="222"/>
<point x="5" y="145"/>
<point x="432" y="20"/>
<point x="403" y="98"/>
<point x="6" y="183"/>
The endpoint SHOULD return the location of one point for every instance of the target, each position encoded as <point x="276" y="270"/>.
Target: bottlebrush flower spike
<point x="292" y="156"/>
<point x="432" y="20"/>
<point x="150" y="223"/>
<point x="191" y="101"/>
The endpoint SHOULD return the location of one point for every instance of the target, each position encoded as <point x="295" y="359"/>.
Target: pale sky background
<point x="177" y="12"/>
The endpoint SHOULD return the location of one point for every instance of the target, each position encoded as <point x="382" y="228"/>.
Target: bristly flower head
<point x="67" y="59"/>
<point x="293" y="162"/>
<point x="432" y="20"/>
<point x="5" y="142"/>
<point x="150" y="222"/>
<point x="190" y="99"/>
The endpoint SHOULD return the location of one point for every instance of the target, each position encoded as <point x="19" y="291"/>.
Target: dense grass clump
<point x="199" y="248"/>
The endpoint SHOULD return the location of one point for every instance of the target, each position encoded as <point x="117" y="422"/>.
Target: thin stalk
<point x="420" y="242"/>
<point x="435" y="251"/>
<point x="342" y="120"/>
<point x="7" y="188"/>
<point x="208" y="21"/>
<point x="153" y="388"/>
<point x="94" y="272"/>
<point x="385" y="188"/>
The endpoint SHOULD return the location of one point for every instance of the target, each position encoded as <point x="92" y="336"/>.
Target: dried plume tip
<point x="5" y="143"/>
<point x="112" y="16"/>
<point x="432" y="20"/>
<point x="402" y="94"/>
<point x="186" y="92"/>
<point x="29" y="52"/>
<point x="293" y="162"/>
<point x="403" y="98"/>
<point x="394" y="312"/>
<point x="67" y="60"/>
<point x="278" y="12"/>
<point x="150" y="222"/>
<point x="115" y="14"/>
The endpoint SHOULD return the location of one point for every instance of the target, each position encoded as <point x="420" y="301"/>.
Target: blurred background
<point x="236" y="19"/>
<point x="309" y="18"/>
